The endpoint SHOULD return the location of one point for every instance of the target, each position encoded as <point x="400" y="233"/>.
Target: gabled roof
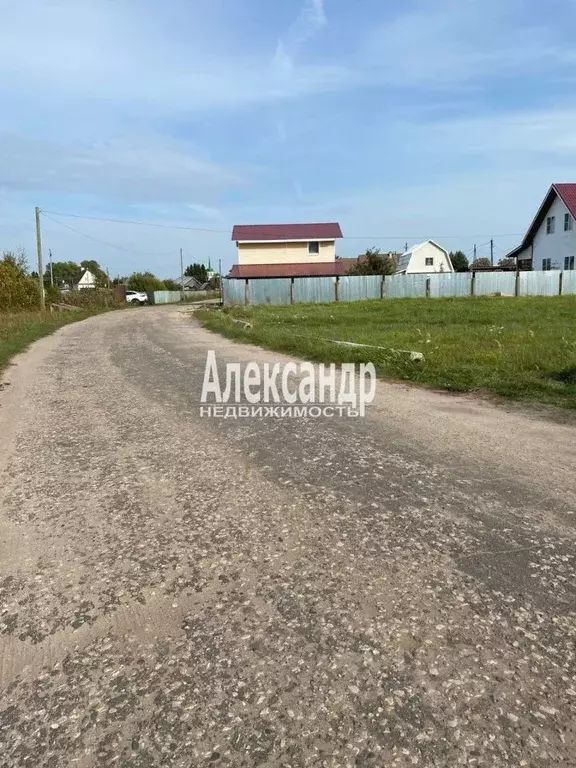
<point x="421" y="245"/>
<point x="567" y="193"/>
<point x="324" y="269"/>
<point x="289" y="232"/>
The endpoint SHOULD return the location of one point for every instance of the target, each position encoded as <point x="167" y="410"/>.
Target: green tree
<point x="17" y="259"/>
<point x="172" y="285"/>
<point x="64" y="272"/>
<point x="507" y="262"/>
<point x="481" y="262"/>
<point x="459" y="261"/>
<point x="198" y="271"/>
<point x="373" y="262"/>
<point x="145" y="281"/>
<point x="17" y="290"/>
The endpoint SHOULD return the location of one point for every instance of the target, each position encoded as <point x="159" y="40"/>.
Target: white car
<point x="136" y="297"/>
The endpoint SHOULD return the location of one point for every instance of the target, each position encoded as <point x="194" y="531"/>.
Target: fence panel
<point x="495" y="282"/>
<point x="164" y="297"/>
<point x="275" y="290"/>
<point x="569" y="283"/>
<point x="234" y="292"/>
<point x="539" y="283"/>
<point x="405" y="286"/>
<point x="314" y="290"/>
<point x="450" y="284"/>
<point x="359" y="287"/>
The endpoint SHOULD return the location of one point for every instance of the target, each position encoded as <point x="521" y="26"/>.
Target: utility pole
<point x="40" y="264"/>
<point x="475" y="250"/>
<point x="220" y="281"/>
<point x="51" y="269"/>
<point x="492" y="252"/>
<point x="181" y="275"/>
<point x="108" y="276"/>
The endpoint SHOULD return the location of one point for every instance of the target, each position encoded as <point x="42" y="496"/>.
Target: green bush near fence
<point x="91" y="298"/>
<point x="517" y="348"/>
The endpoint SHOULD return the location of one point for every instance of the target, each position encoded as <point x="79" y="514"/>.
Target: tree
<point x="64" y="272"/>
<point x="374" y="263"/>
<point x="505" y="262"/>
<point x="481" y="262"/>
<point x="459" y="261"/>
<point x="198" y="271"/>
<point x="17" y="259"/>
<point x="172" y="285"/>
<point x="145" y="281"/>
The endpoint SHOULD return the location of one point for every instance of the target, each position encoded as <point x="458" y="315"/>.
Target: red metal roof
<point x="289" y="232"/>
<point x="325" y="269"/>
<point x="567" y="193"/>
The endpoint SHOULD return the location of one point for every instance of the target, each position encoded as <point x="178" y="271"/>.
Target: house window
<point x="569" y="262"/>
<point x="546" y="265"/>
<point x="313" y="248"/>
<point x="429" y="261"/>
<point x="550" y="225"/>
<point x="568" y="222"/>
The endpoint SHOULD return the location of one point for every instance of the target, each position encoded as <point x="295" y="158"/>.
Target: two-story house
<point x="550" y="243"/>
<point x="286" y="250"/>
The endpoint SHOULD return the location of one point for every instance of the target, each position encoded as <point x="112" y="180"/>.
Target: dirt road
<point x="178" y="591"/>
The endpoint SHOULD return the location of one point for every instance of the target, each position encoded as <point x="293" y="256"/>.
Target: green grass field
<point x="19" y="329"/>
<point x="521" y="348"/>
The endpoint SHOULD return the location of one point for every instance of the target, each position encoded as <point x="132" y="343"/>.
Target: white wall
<point x="555" y="246"/>
<point x="417" y="264"/>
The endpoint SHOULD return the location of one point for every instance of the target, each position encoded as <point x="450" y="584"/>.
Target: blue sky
<point x="427" y="118"/>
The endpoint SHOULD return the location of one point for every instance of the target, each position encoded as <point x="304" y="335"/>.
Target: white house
<point x="550" y="243"/>
<point x="424" y="258"/>
<point x="87" y="280"/>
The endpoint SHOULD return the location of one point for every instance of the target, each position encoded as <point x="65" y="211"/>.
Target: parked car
<point x="136" y="297"/>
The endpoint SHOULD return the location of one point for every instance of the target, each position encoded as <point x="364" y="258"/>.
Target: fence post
<point x="517" y="284"/>
<point x="382" y="289"/>
<point x="291" y="290"/>
<point x="336" y="288"/>
<point x="247" y="292"/>
<point x="427" y="287"/>
<point x="560" y="283"/>
<point x="473" y="284"/>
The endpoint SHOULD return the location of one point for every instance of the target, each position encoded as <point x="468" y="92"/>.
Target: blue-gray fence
<point x="164" y="297"/>
<point x="323" y="290"/>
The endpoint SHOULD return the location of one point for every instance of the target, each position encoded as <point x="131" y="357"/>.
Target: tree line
<point x="374" y="262"/>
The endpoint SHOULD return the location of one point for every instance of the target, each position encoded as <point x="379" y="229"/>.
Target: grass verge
<point x="19" y="329"/>
<point x="521" y="348"/>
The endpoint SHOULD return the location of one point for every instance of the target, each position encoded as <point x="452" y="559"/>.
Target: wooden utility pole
<point x="181" y="275"/>
<point x="492" y="252"/>
<point x="51" y="269"/>
<point x="220" y="281"/>
<point x="475" y="251"/>
<point x="40" y="264"/>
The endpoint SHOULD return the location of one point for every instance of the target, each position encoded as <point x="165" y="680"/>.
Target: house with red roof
<point x="286" y="250"/>
<point x="550" y="243"/>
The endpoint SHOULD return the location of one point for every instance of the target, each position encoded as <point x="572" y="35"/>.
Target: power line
<point x="227" y="231"/>
<point x="138" y="223"/>
<point x="103" y="242"/>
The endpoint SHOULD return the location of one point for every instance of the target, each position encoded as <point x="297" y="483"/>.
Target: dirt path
<point x="177" y="591"/>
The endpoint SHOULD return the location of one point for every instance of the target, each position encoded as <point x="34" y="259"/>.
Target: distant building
<point x="550" y="242"/>
<point x="424" y="258"/>
<point x="83" y="279"/>
<point x="286" y="250"/>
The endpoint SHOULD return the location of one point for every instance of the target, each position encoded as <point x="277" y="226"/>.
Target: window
<point x="568" y="222"/>
<point x="313" y="248"/>
<point x="429" y="261"/>
<point x="546" y="265"/>
<point x="569" y="262"/>
<point x="550" y="225"/>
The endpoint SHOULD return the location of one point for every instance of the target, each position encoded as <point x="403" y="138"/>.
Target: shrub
<point x="17" y="290"/>
<point x="91" y="298"/>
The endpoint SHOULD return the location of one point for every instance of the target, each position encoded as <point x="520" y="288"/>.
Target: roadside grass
<point x="19" y="329"/>
<point x="516" y="348"/>
<point x="192" y="298"/>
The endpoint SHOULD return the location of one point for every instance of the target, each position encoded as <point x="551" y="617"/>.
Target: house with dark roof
<point x="550" y="242"/>
<point x="286" y="250"/>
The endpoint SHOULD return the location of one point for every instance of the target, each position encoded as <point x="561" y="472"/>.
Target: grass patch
<point x="521" y="348"/>
<point x="19" y="329"/>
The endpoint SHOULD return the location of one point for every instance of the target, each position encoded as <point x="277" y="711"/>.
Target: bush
<point x="17" y="290"/>
<point x="91" y="298"/>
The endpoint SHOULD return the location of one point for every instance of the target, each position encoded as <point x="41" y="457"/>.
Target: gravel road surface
<point x="181" y="591"/>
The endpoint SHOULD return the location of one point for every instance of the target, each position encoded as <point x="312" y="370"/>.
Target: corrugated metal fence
<point x="323" y="290"/>
<point x="164" y="297"/>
